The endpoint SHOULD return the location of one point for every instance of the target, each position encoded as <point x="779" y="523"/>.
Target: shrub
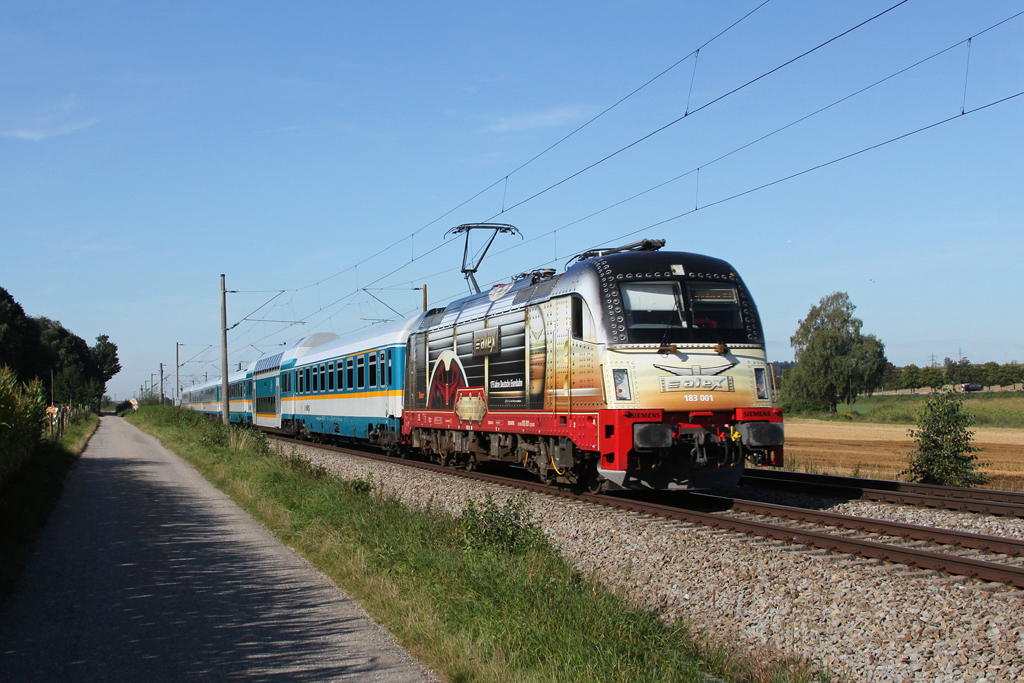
<point x="944" y="452"/>
<point x="22" y="409"/>
<point x="509" y="527"/>
<point x="802" y="406"/>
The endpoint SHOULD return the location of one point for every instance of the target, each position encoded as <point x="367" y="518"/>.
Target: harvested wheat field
<point x="881" y="450"/>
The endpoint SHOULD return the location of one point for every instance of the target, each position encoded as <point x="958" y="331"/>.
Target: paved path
<point x="146" y="572"/>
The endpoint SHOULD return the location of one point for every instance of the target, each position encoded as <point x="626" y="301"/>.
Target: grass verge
<point x="29" y="497"/>
<point x="989" y="408"/>
<point x="483" y="598"/>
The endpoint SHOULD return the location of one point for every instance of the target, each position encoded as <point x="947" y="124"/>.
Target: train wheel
<point x="591" y="480"/>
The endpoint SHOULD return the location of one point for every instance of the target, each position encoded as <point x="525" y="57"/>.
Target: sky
<point x="317" y="154"/>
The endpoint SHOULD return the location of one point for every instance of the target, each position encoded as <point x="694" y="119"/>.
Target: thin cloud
<point x="558" y="116"/>
<point x="95" y="247"/>
<point x="41" y="131"/>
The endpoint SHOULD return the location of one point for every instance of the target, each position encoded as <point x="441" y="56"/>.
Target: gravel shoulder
<point x="146" y="572"/>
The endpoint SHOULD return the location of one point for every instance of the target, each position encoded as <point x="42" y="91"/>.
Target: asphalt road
<point x="146" y="572"/>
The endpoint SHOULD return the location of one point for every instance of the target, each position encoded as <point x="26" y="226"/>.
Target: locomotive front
<point x="688" y="394"/>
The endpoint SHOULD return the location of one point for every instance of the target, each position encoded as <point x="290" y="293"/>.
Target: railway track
<point x="984" y="501"/>
<point x="856" y="535"/>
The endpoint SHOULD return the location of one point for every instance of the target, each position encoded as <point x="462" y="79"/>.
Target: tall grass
<point x="484" y="597"/>
<point x="22" y="408"/>
<point x="31" y="493"/>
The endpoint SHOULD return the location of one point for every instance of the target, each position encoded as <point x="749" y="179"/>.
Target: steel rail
<point x="798" y="484"/>
<point x="891" y="485"/>
<point x="925" y="559"/>
<point x="963" y="539"/>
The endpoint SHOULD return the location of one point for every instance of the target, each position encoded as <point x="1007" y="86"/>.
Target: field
<point x="856" y="448"/>
<point x="990" y="408"/>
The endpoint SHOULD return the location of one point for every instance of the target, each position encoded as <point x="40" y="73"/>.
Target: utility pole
<point x="224" y="414"/>
<point x="177" y="380"/>
<point x="161" y="384"/>
<point x="424" y="288"/>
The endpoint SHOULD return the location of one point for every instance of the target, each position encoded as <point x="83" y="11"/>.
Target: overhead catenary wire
<point x="817" y="167"/>
<point x="697" y="206"/>
<point x="698" y="109"/>
<point x="721" y="97"/>
<point x="529" y="161"/>
<point x="761" y="138"/>
<point x="778" y="180"/>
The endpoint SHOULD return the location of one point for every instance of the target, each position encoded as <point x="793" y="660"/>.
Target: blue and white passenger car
<point x="347" y="387"/>
<point x="322" y="386"/>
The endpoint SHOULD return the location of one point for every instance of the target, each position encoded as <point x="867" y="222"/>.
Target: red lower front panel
<point x="609" y="432"/>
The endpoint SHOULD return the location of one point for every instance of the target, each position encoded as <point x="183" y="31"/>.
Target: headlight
<point x="761" y="382"/>
<point x="622" y="389"/>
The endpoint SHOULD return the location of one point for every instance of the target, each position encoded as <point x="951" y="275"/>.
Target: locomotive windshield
<point x="660" y="312"/>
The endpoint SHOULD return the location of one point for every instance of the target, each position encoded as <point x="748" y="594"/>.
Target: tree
<point x="1011" y="373"/>
<point x="991" y="374"/>
<point x="19" y="339"/>
<point x="931" y="377"/>
<point x="910" y="378"/>
<point x="961" y="371"/>
<point x="944" y="452"/>
<point x="834" y="361"/>
<point x="891" y="377"/>
<point x="104" y="358"/>
<point x="41" y="348"/>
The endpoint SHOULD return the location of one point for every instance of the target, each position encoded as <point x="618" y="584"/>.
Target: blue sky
<point x="145" y="148"/>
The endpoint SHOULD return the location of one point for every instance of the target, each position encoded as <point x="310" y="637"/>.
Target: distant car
<point x="970" y="387"/>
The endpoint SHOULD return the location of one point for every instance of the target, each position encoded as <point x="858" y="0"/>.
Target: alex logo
<point x="487" y="342"/>
<point x="704" y="383"/>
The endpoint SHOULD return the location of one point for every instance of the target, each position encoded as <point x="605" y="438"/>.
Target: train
<point x="635" y="368"/>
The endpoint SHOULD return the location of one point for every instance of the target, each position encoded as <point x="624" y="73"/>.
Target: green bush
<point x="509" y="527"/>
<point x="802" y="406"/>
<point x="22" y="409"/>
<point x="944" y="452"/>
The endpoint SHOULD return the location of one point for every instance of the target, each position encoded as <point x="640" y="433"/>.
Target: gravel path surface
<point x="146" y="572"/>
<point x="860" y="618"/>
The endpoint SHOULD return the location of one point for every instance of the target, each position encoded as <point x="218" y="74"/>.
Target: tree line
<point x="70" y="372"/>
<point x="835" y="362"/>
<point x="952" y="373"/>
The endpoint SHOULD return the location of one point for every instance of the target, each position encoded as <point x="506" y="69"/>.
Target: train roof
<point x="374" y="336"/>
<point x="538" y="286"/>
<point x="236" y="376"/>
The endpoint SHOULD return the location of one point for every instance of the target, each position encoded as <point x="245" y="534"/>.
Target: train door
<point x="387" y="376"/>
<point x="584" y="375"/>
<point x="560" y="377"/>
<point x="267" y="401"/>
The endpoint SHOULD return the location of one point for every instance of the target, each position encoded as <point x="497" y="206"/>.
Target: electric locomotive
<point x="635" y="368"/>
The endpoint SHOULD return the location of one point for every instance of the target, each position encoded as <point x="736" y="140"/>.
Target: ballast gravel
<point x="857" y="618"/>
